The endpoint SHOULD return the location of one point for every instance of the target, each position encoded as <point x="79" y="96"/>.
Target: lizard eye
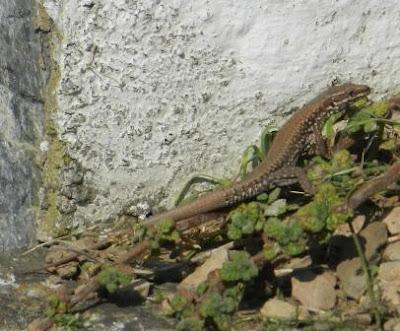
<point x="352" y="94"/>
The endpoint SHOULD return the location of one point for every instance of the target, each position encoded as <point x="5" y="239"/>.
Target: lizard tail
<point x="203" y="204"/>
<point x="215" y="200"/>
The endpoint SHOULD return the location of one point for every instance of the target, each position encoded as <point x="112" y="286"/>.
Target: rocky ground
<point x="24" y="298"/>
<point x="328" y="296"/>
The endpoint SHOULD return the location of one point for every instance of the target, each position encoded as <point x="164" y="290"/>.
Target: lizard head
<point x="348" y="93"/>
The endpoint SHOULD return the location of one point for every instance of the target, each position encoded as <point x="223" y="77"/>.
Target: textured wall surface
<point x="153" y="91"/>
<point x="21" y="122"/>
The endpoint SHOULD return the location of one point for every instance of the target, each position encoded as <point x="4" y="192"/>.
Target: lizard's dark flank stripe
<point x="296" y="137"/>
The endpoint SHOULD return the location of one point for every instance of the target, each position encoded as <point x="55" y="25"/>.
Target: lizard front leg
<point x="320" y="145"/>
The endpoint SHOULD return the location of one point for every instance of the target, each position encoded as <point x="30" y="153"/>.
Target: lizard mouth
<point x="351" y="99"/>
<point x="354" y="97"/>
<point x="359" y="96"/>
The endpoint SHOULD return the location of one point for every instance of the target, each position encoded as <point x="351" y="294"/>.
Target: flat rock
<point x="392" y="252"/>
<point x="374" y="237"/>
<point x="24" y="297"/>
<point x="389" y="280"/>
<point x="276" y="308"/>
<point x="279" y="309"/>
<point x="313" y="290"/>
<point x="357" y="223"/>
<point x="293" y="264"/>
<point x="276" y="208"/>
<point x="352" y="280"/>
<point x="392" y="221"/>
<point x="218" y="257"/>
<point x="392" y="325"/>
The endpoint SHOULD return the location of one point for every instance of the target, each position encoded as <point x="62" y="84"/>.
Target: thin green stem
<point x="368" y="277"/>
<point x="198" y="179"/>
<point x="267" y="135"/>
<point x="255" y="156"/>
<point x="378" y="120"/>
<point x="342" y="172"/>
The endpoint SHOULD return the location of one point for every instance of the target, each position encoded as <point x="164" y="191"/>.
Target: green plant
<point x="112" y="279"/>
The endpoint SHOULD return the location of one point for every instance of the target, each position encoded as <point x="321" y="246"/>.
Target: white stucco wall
<point x="154" y="91"/>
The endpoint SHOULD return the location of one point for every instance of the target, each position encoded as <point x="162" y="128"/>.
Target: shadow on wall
<point x="21" y="122"/>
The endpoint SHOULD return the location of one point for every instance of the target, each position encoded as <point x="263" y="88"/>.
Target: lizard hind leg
<point x="291" y="175"/>
<point x="304" y="181"/>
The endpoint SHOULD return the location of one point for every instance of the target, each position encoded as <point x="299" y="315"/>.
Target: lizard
<point x="299" y="135"/>
<point x="296" y="137"/>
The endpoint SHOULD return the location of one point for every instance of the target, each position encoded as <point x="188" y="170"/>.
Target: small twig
<point x="142" y="247"/>
<point x="100" y="245"/>
<point x="287" y="271"/>
<point x="136" y="251"/>
<point x="90" y="288"/>
<point x="79" y="252"/>
<point x="58" y="239"/>
<point x="297" y="192"/>
<point x="394" y="238"/>
<point x="197" y="220"/>
<point x="47" y="243"/>
<point x="202" y="256"/>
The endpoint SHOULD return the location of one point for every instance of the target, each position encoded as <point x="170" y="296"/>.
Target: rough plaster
<point x="154" y="91"/>
<point x="21" y="122"/>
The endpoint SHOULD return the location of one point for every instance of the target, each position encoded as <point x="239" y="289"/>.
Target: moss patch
<point x="50" y="221"/>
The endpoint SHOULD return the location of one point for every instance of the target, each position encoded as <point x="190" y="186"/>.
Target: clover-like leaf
<point x="239" y="268"/>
